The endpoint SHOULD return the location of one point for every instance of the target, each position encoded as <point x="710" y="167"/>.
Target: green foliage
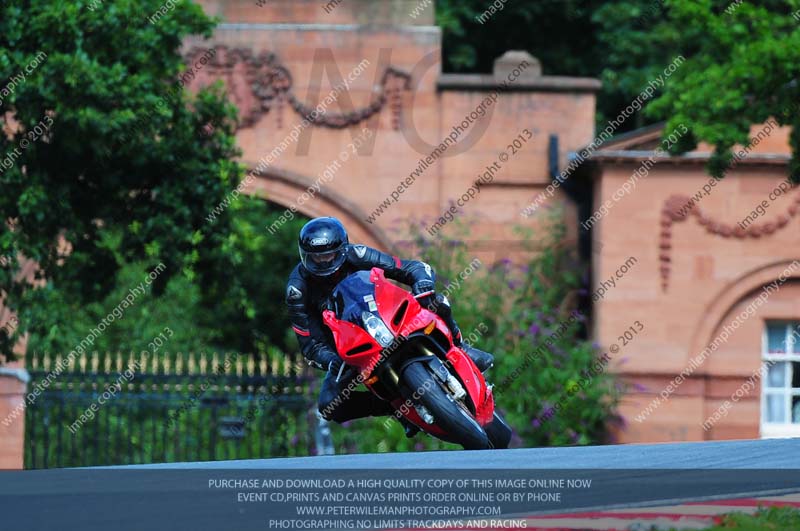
<point x="253" y="315"/>
<point x="178" y="308"/>
<point x="122" y="151"/>
<point x="473" y="46"/>
<point x="771" y="519"/>
<point x="741" y="68"/>
<point x="569" y="37"/>
<point x="248" y="317"/>
<point x="742" y="58"/>
<point x="524" y="306"/>
<point x="628" y="31"/>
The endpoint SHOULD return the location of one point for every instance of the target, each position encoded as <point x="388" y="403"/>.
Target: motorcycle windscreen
<point x="353" y="296"/>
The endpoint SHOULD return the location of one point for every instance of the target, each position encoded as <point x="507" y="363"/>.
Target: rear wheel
<point x="498" y="431"/>
<point x="461" y="428"/>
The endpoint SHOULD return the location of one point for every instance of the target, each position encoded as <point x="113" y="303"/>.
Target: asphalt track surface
<point x="177" y="496"/>
<point x="747" y="454"/>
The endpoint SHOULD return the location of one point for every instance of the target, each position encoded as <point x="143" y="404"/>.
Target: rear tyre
<point x="498" y="431"/>
<point x="461" y="428"/>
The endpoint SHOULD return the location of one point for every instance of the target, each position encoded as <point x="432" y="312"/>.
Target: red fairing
<point x="347" y="336"/>
<point x="389" y="299"/>
<point x="474" y="384"/>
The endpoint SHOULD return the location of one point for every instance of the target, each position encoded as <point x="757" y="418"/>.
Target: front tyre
<point x="459" y="425"/>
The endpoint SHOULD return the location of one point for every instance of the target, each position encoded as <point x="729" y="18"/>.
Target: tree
<point x="563" y="34"/>
<point x="252" y="316"/>
<point x="102" y="140"/>
<point x="741" y="67"/>
<point x="249" y="318"/>
<point x="476" y="33"/>
<point x="638" y="42"/>
<point x="738" y="49"/>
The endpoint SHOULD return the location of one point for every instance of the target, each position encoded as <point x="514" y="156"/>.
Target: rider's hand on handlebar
<point x="426" y="299"/>
<point x="423" y="292"/>
<point x="342" y="371"/>
<point x="335" y="365"/>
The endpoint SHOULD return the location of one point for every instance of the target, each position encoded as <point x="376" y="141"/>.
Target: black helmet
<point x="323" y="246"/>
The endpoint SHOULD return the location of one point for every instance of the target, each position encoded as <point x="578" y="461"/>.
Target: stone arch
<point x="285" y="187"/>
<point x="729" y="296"/>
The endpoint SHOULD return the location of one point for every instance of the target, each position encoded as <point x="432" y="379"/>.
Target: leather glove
<point x="323" y="358"/>
<point x="424" y="287"/>
<point x="335" y="366"/>
<point x="341" y="371"/>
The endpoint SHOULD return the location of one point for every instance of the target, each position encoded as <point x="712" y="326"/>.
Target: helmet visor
<point x="323" y="263"/>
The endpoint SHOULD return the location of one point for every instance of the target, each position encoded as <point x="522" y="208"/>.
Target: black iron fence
<point x="113" y="408"/>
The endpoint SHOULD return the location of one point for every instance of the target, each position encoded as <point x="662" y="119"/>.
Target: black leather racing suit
<point x="306" y="295"/>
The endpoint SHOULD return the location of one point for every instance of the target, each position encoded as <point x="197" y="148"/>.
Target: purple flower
<point x="536" y="423"/>
<point x="419" y="447"/>
<point x="295" y="440"/>
<point x="534" y="329"/>
<point x="558" y="350"/>
<point x="639" y="387"/>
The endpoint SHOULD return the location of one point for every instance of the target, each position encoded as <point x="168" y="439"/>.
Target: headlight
<point x="377" y="329"/>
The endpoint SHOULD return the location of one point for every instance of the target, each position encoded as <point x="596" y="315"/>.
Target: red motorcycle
<point x="405" y="355"/>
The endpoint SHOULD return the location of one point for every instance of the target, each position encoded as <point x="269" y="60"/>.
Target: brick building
<point x="714" y="284"/>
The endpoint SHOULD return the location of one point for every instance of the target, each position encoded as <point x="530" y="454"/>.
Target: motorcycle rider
<point x="326" y="257"/>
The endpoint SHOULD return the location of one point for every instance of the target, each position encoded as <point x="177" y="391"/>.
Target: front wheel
<point x="448" y="414"/>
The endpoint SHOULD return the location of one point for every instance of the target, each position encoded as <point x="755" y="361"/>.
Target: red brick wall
<point x="711" y="278"/>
